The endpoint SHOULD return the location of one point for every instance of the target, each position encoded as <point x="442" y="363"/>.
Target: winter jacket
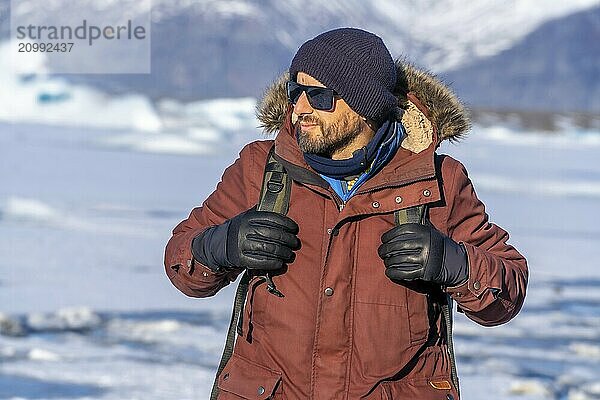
<point x="343" y="329"/>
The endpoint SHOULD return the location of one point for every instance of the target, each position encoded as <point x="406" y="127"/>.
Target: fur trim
<point x="446" y="112"/>
<point x="447" y="116"/>
<point x="272" y="108"/>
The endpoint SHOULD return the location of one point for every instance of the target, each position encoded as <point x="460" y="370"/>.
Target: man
<point x="354" y="299"/>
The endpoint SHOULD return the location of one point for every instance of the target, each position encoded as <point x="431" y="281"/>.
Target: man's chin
<point x="309" y="147"/>
<point x="311" y="141"/>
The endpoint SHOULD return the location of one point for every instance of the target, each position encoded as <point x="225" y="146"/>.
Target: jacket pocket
<point x="403" y="307"/>
<point x="395" y="299"/>
<point x="244" y="379"/>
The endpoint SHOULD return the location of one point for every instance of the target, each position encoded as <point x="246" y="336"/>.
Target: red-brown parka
<point x="343" y="329"/>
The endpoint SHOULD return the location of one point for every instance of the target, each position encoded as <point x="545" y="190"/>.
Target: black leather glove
<point x="415" y="251"/>
<point x="257" y="240"/>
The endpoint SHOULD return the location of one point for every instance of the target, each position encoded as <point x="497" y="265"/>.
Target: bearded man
<point x="379" y="233"/>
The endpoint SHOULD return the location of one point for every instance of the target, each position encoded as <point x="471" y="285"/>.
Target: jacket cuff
<point x="481" y="288"/>
<point x="192" y="277"/>
<point x="209" y="248"/>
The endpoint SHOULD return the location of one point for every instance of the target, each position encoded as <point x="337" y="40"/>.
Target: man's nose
<point x="302" y="106"/>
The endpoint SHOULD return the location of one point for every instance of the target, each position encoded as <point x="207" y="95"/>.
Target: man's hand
<point x="415" y="251"/>
<point x="257" y="240"/>
<point x="261" y="240"/>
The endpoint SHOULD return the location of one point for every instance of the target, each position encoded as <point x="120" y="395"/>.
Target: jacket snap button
<point x="449" y="397"/>
<point x="398" y="199"/>
<point x="476" y="285"/>
<point x="225" y="377"/>
<point x="426" y="192"/>
<point x="261" y="390"/>
<point x="329" y="292"/>
<point x="375" y="204"/>
<point x="329" y="230"/>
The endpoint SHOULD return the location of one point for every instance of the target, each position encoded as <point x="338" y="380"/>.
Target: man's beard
<point x="329" y="138"/>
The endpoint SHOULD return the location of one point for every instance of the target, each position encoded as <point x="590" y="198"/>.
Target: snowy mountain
<point x="232" y="48"/>
<point x="556" y="68"/>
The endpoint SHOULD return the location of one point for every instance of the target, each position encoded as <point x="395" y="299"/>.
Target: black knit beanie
<point x="354" y="63"/>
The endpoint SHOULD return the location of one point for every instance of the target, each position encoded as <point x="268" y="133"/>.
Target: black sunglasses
<point x="320" y="98"/>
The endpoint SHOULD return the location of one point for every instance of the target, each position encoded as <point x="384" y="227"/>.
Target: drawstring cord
<point x="271" y="288"/>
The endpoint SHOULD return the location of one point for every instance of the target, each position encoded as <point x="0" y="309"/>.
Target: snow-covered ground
<point x="85" y="213"/>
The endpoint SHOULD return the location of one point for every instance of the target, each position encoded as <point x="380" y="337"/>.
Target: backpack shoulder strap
<point x="411" y="215"/>
<point x="275" y="197"/>
<point x="418" y="215"/>
<point x="276" y="187"/>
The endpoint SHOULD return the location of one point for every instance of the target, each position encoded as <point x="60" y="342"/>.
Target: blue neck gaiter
<point x="361" y="159"/>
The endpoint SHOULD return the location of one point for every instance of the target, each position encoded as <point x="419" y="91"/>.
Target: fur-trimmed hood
<point x="429" y="109"/>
